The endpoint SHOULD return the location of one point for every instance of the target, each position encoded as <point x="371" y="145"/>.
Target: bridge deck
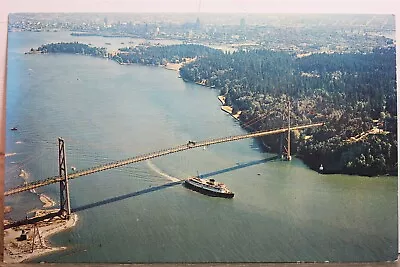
<point x="116" y="164"/>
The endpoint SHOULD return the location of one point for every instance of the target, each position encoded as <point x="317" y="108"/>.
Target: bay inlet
<point x="282" y="211"/>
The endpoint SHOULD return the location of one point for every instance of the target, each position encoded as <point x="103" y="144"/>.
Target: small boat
<point x="208" y="187"/>
<point x="14" y="129"/>
<point x="321" y="168"/>
<point x="73" y="168"/>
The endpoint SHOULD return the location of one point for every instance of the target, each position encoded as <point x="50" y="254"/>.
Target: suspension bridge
<point x="63" y="176"/>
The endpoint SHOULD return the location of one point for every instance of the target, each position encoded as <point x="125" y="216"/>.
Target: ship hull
<point x="207" y="192"/>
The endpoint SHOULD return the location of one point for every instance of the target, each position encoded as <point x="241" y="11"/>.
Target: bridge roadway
<point x="116" y="164"/>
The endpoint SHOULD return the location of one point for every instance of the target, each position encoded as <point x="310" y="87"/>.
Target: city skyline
<point x="205" y="6"/>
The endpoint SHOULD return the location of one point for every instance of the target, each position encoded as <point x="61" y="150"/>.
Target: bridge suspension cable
<point x="119" y="163"/>
<point x="256" y="119"/>
<point x="25" y="162"/>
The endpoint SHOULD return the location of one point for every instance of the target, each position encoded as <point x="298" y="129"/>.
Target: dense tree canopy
<point x="160" y="55"/>
<point x="354" y="94"/>
<point x="346" y="91"/>
<point x="73" y="48"/>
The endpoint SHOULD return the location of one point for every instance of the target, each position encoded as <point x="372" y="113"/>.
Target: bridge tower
<point x="65" y="208"/>
<point x="285" y="150"/>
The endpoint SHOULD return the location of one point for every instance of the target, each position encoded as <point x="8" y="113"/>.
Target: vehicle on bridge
<point x="191" y="143"/>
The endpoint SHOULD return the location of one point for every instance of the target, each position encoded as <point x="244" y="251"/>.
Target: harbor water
<point x="282" y="211"/>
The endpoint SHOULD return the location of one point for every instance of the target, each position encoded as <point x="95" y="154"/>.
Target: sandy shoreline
<point x="224" y="107"/>
<point x="177" y="66"/>
<point x="228" y="109"/>
<point x="173" y="66"/>
<point x="47" y="202"/>
<point x="18" y="251"/>
<point x="222" y="99"/>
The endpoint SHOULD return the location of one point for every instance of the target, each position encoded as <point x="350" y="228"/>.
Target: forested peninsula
<point x="354" y="94"/>
<point x="70" y="48"/>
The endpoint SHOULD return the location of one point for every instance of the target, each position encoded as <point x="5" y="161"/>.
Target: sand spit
<point x="17" y="250"/>
<point x="48" y="223"/>
<point x="47" y="202"/>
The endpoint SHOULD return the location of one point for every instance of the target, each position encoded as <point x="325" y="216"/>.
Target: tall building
<point x="198" y="24"/>
<point x="242" y="23"/>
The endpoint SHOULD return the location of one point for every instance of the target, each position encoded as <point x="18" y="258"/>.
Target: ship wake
<point x="160" y="172"/>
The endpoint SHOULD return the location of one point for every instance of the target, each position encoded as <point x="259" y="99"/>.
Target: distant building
<point x="198" y="24"/>
<point x="242" y="23"/>
<point x="105" y="22"/>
